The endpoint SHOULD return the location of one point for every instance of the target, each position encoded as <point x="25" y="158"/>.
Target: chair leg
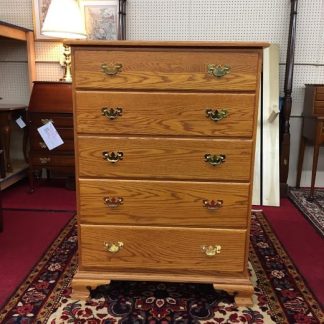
<point x="300" y="160"/>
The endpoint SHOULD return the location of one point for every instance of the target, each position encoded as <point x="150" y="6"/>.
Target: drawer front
<point x="162" y="158"/>
<point x="158" y="69"/>
<point x="319" y="108"/>
<point x="65" y="134"/>
<point x="156" y="113"/>
<point x="162" y="249"/>
<point x="48" y="159"/>
<point x="319" y="93"/>
<point x="37" y="144"/>
<point x="163" y="203"/>
<point x="58" y="120"/>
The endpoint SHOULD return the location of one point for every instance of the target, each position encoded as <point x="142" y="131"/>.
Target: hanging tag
<point x="20" y="122"/>
<point x="50" y="136"/>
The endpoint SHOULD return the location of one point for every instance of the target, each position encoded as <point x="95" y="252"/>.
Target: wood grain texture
<point x="164" y="89"/>
<point x="166" y="70"/>
<point x="157" y="113"/>
<point x="163" y="203"/>
<point x="164" y="158"/>
<point x="162" y="248"/>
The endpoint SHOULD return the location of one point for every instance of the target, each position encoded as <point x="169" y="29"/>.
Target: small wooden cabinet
<point x="165" y="137"/>
<point x="51" y="101"/>
<point x="312" y="129"/>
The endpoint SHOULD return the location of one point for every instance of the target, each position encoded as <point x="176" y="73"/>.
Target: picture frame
<point x="104" y="19"/>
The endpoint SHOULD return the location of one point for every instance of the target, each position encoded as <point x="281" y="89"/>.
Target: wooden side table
<point x="8" y="113"/>
<point x="312" y="129"/>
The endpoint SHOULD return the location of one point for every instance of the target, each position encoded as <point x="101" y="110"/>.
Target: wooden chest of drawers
<point x="165" y="136"/>
<point x="51" y="101"/>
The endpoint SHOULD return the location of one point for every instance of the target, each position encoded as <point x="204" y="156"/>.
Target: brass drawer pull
<point x="218" y="70"/>
<point x="45" y="121"/>
<point x="212" y="204"/>
<point x="113" y="202"/>
<point x="216" y="115"/>
<point x="113" y="157"/>
<point x="111" y="69"/>
<point x="111" y="113"/>
<point x="211" y="250"/>
<point x="215" y="159"/>
<point x="113" y="247"/>
<point x="42" y="145"/>
<point x="44" y="160"/>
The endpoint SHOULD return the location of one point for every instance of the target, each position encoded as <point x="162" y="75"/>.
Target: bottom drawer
<point x="162" y="249"/>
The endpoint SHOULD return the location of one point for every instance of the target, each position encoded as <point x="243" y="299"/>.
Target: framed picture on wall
<point x="104" y="19"/>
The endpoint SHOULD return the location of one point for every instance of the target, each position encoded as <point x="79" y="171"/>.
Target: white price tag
<point x="50" y="136"/>
<point x="20" y="122"/>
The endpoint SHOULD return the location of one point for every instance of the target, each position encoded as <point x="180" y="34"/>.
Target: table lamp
<point x="64" y="20"/>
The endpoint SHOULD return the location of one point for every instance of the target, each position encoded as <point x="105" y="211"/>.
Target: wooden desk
<point x="51" y="101"/>
<point x="312" y="129"/>
<point x="9" y="113"/>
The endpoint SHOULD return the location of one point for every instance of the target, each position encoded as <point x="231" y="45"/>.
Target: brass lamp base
<point x="67" y="77"/>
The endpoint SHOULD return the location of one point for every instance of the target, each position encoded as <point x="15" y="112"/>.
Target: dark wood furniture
<point x="51" y="101"/>
<point x="8" y="114"/>
<point x="312" y="129"/>
<point x="287" y="102"/>
<point x="165" y="137"/>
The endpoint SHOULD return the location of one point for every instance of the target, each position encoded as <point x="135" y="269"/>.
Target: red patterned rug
<point x="280" y="294"/>
<point x="313" y="211"/>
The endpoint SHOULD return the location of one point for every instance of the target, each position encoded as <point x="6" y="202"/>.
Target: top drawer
<point x="166" y="70"/>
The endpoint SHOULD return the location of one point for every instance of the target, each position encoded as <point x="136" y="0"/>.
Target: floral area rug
<point x="280" y="294"/>
<point x="313" y="211"/>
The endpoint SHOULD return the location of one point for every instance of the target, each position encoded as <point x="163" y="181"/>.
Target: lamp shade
<point x="64" y="20"/>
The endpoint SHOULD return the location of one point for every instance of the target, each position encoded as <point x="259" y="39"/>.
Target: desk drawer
<point x="319" y="108"/>
<point x="37" y="144"/>
<point x="165" y="70"/>
<point x="161" y="158"/>
<point x="319" y="93"/>
<point x="65" y="134"/>
<point x="162" y="249"/>
<point x="58" y="120"/>
<point x="168" y="203"/>
<point x="47" y="159"/>
<point x="165" y="113"/>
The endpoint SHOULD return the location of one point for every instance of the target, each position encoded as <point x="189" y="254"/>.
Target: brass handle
<point x="113" y="247"/>
<point x="42" y="145"/>
<point x="216" y="115"/>
<point x="113" y="157"/>
<point x="45" y="121"/>
<point x="212" y="204"/>
<point x="111" y="113"/>
<point x="113" y="202"/>
<point x="111" y="69"/>
<point x="218" y="70"/>
<point x="211" y="250"/>
<point x="215" y="159"/>
<point x="44" y="160"/>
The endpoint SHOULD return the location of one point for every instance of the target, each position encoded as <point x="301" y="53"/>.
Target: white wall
<point x="250" y="20"/>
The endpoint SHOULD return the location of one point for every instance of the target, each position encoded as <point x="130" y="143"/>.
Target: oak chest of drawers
<point x="165" y="135"/>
